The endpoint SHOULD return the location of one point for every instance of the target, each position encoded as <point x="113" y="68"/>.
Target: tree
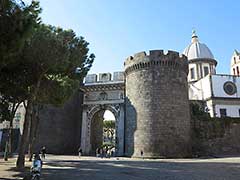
<point x="16" y="21"/>
<point x="16" y="79"/>
<point x="55" y="54"/>
<point x="109" y="129"/>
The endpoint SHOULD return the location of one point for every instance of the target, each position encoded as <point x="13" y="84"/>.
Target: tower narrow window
<point x="234" y="60"/>
<point x="192" y="73"/>
<point x="234" y="73"/>
<point x="206" y="71"/>
<point x="237" y="71"/>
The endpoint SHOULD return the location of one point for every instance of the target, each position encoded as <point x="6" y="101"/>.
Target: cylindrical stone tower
<point x="157" y="106"/>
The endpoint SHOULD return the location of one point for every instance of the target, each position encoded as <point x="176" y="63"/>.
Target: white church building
<point x="220" y="92"/>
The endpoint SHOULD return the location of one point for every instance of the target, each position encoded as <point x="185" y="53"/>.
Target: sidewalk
<point x="8" y="169"/>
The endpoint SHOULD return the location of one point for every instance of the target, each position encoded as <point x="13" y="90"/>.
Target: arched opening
<point x="103" y="133"/>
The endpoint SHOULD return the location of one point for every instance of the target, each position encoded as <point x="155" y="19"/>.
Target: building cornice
<point x="102" y="87"/>
<point x="203" y="60"/>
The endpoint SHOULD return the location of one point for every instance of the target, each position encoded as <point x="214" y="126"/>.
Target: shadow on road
<point x="19" y="174"/>
<point x="139" y="170"/>
<point x="86" y="168"/>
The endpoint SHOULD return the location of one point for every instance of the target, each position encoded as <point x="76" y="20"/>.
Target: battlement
<point x="156" y="58"/>
<point x="104" y="77"/>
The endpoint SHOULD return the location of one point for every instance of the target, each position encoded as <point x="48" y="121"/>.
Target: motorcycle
<point x="35" y="172"/>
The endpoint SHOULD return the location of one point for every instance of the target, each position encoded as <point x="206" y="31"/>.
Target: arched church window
<point x="237" y="71"/>
<point x="206" y="71"/>
<point x="234" y="73"/>
<point x="104" y="75"/>
<point x="192" y="73"/>
<point x="234" y="60"/>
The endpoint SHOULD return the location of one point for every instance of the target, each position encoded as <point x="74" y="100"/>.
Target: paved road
<point x="89" y="168"/>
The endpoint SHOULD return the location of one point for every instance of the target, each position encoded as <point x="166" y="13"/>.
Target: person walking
<point x="142" y="154"/>
<point x="43" y="152"/>
<point x="79" y="152"/>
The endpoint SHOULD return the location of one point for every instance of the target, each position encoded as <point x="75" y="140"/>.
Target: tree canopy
<point x="16" y="21"/>
<point x="37" y="62"/>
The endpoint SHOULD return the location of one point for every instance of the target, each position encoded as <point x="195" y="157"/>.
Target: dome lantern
<point x="194" y="37"/>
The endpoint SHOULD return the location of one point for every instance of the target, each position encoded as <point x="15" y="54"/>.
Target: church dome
<point x="197" y="50"/>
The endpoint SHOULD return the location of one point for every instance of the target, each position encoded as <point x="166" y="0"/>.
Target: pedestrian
<point x="79" y="152"/>
<point x="98" y="152"/>
<point x="112" y="153"/>
<point x="108" y="153"/>
<point x="141" y="153"/>
<point x="43" y="152"/>
<point x="101" y="152"/>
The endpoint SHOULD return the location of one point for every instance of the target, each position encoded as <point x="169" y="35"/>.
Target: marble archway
<point x="89" y="114"/>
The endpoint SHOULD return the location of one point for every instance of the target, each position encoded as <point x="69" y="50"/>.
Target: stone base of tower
<point x="163" y="150"/>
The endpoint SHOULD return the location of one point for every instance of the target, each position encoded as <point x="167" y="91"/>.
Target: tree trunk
<point x="33" y="128"/>
<point x="8" y="146"/>
<point x="10" y="136"/>
<point x="27" y="126"/>
<point x="24" y="138"/>
<point x="33" y="132"/>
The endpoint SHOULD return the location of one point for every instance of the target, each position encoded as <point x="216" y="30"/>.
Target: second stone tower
<point x="157" y="106"/>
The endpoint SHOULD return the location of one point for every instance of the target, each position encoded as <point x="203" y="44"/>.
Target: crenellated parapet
<point x="104" y="77"/>
<point x="143" y="60"/>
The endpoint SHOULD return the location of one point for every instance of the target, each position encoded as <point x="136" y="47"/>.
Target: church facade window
<point x="192" y="73"/>
<point x="230" y="88"/>
<point x="234" y="73"/>
<point x="223" y="112"/>
<point x="237" y="71"/>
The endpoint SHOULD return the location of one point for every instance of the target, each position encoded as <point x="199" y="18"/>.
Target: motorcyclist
<point x="37" y="164"/>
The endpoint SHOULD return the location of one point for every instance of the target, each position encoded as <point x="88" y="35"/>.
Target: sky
<point x="117" y="29"/>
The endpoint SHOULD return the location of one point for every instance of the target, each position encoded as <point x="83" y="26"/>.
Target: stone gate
<point x="101" y="93"/>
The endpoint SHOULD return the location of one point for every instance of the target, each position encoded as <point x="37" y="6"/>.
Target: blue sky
<point x="117" y="29"/>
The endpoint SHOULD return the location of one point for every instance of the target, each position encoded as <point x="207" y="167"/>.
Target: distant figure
<point x="43" y="152"/>
<point x="142" y="153"/>
<point x="98" y="152"/>
<point x="101" y="153"/>
<point x="108" y="153"/>
<point x="112" y="153"/>
<point x="79" y="152"/>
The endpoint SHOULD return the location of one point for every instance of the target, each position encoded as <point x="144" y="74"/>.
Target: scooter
<point x="35" y="173"/>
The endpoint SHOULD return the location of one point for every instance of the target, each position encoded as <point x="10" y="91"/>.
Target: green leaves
<point x="17" y="22"/>
<point x="55" y="54"/>
<point x="38" y="61"/>
<point x="5" y="113"/>
<point x="109" y="124"/>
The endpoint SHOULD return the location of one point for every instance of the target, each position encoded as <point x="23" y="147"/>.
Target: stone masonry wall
<point x="215" y="136"/>
<point x="157" y="106"/>
<point x="60" y="127"/>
